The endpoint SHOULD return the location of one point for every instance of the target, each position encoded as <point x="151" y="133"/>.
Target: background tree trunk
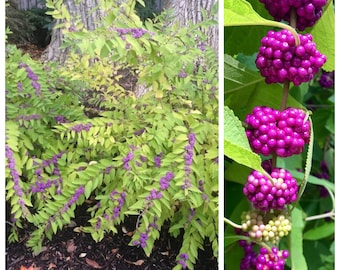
<point x="191" y="11"/>
<point x="28" y="4"/>
<point x="53" y="51"/>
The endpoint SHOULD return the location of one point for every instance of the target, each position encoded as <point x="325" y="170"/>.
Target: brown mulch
<point x="33" y="50"/>
<point x="71" y="250"/>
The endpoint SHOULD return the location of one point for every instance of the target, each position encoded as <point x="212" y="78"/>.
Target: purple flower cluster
<point x="14" y="173"/>
<point x="139" y="132"/>
<point x="154" y="195"/>
<point x="126" y="161"/>
<point x="183" y="257"/>
<point x="327" y="79"/>
<point x="135" y="32"/>
<point x="201" y="46"/>
<point x="28" y="117"/>
<point x="33" y="77"/>
<point x="201" y="188"/>
<point x="191" y="214"/>
<point x="164" y="182"/>
<point x="19" y="86"/>
<point x="60" y="119"/>
<point x="120" y="200"/>
<point x="74" y="198"/>
<point x="108" y="169"/>
<point x="182" y="74"/>
<point x="144" y="236"/>
<point x="80" y="127"/>
<point x="41" y="186"/>
<point x="158" y="160"/>
<point x="188" y="157"/>
<point x="98" y="223"/>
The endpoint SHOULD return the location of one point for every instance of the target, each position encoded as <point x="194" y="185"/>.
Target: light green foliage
<point x="84" y="155"/>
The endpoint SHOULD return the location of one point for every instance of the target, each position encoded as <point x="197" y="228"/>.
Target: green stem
<point x="285" y="95"/>
<point x="235" y="225"/>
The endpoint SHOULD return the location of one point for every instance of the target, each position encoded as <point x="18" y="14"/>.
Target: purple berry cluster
<point x="284" y="133"/>
<point x="164" y="182"/>
<point x="80" y="127"/>
<point x="135" y="32"/>
<point x="249" y="259"/>
<point x="120" y="199"/>
<point x="265" y="195"/>
<point x="279" y="59"/>
<point x="271" y="260"/>
<point x="327" y="79"/>
<point x="308" y="11"/>
<point x="264" y="259"/>
<point x="33" y="77"/>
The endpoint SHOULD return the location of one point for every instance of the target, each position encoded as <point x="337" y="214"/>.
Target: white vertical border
<point x="2" y="137"/>
<point x="336" y="136"/>
<point x="221" y="134"/>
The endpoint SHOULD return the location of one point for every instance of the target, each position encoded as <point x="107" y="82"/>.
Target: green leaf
<point x="298" y="260"/>
<point x="88" y="189"/>
<point x="236" y="145"/>
<point x="237" y="75"/>
<point x="241" y="13"/>
<point x="324" y="36"/>
<point x="325" y="230"/>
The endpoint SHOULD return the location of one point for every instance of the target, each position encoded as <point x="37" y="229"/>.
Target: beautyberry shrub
<point x="308" y="11"/>
<point x="279" y="59"/>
